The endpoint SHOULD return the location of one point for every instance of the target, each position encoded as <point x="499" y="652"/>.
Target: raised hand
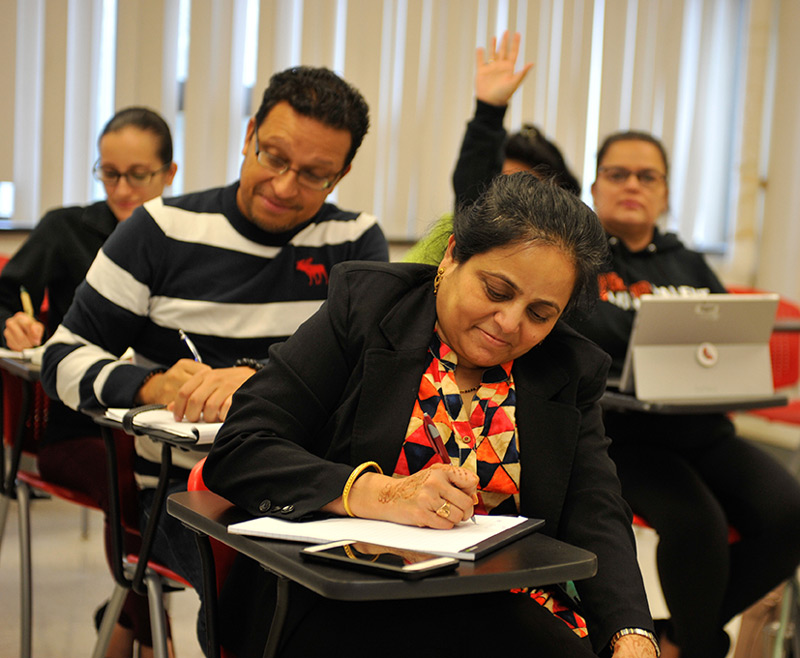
<point x="495" y="79"/>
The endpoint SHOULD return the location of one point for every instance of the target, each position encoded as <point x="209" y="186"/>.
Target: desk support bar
<point x="209" y="592"/>
<point x="278" y="617"/>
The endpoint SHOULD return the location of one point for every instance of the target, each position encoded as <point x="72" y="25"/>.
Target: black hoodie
<point x="663" y="267"/>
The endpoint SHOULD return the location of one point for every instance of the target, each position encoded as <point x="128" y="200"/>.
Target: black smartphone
<point x="380" y="559"/>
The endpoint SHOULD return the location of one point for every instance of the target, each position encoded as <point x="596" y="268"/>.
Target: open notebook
<point x="147" y="419"/>
<point x="466" y="541"/>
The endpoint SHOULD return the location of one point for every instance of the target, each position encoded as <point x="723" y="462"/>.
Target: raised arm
<point x="480" y="158"/>
<point x="496" y="79"/>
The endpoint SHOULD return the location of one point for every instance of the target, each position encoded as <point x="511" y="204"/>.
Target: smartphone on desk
<point x="363" y="556"/>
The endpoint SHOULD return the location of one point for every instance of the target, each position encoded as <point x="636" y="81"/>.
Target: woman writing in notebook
<point x="689" y="476"/>
<point x="336" y="423"/>
<point x="134" y="165"/>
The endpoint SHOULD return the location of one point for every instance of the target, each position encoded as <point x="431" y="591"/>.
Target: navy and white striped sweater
<point x="195" y="263"/>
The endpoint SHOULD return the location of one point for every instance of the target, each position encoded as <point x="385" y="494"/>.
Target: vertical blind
<point x="673" y="67"/>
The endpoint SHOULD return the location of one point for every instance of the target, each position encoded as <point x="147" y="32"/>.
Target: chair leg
<point x="790" y="592"/>
<point x="84" y="522"/>
<point x="26" y="579"/>
<point x="158" y="621"/>
<point x="110" y="618"/>
<point x="5" y="503"/>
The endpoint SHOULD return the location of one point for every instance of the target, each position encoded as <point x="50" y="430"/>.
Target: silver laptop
<point x="701" y="349"/>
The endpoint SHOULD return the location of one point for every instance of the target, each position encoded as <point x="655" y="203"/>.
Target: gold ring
<point x="444" y="510"/>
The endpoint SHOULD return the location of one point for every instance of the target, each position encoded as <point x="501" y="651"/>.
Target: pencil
<point x="27" y="304"/>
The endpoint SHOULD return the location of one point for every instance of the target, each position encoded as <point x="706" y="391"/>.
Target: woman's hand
<point x="438" y="497"/>
<point x="495" y="80"/>
<point x="22" y="331"/>
<point x="634" y="646"/>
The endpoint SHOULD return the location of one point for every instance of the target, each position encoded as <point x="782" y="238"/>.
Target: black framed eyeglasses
<point x="135" y="177"/>
<point x="619" y="176"/>
<point x="279" y="166"/>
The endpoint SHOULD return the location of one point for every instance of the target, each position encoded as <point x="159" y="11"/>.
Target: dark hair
<point x="143" y="119"/>
<point x="520" y="208"/>
<point x="632" y="136"/>
<point x="318" y="93"/>
<point x="532" y="148"/>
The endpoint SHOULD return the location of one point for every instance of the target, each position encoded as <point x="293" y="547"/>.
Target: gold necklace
<point x="470" y="390"/>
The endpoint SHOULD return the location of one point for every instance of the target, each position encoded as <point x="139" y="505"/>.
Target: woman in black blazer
<point x="339" y="405"/>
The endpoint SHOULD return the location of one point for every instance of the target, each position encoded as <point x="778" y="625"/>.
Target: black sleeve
<point x="31" y="266"/>
<point x="480" y="158"/>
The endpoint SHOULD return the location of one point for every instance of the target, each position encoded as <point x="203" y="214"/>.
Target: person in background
<point x="689" y="476"/>
<point x="135" y="165"/>
<point x="335" y="422"/>
<point x="487" y="150"/>
<point x="236" y="269"/>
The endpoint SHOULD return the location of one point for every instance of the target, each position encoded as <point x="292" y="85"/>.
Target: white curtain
<point x="683" y="69"/>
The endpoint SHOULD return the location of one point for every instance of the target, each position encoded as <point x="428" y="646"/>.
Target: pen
<point x="190" y="345"/>
<point x="437" y="444"/>
<point x="25" y="298"/>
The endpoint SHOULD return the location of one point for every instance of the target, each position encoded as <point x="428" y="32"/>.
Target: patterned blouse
<point x="483" y="439"/>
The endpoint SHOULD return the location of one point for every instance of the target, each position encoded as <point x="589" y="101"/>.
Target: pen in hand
<point x="190" y="345"/>
<point x="437" y="444"/>
<point x="25" y="299"/>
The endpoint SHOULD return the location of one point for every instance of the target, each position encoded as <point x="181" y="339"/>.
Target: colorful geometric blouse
<point x="482" y="439"/>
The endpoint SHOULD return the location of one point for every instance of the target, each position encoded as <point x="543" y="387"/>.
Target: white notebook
<point x="466" y="541"/>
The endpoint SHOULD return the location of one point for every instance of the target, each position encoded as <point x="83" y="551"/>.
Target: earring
<point x="438" y="280"/>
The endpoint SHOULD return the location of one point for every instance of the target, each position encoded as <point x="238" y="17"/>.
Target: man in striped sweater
<point x="236" y="268"/>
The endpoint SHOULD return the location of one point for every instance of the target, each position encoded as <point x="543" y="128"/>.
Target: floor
<point x="71" y="580"/>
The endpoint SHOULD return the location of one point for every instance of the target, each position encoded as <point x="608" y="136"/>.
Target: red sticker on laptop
<point x="707" y="354"/>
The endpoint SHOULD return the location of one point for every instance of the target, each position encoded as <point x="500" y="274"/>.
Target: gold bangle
<point x="635" y="631"/>
<point x="357" y="472"/>
<point x="349" y="552"/>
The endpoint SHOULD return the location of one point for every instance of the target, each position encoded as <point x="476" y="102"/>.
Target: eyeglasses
<point x="619" y="176"/>
<point x="135" y="177"/>
<point x="305" y="178"/>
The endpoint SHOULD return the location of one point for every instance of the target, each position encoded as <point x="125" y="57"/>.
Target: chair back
<point x="223" y="555"/>
<point x="784" y="346"/>
<point x="36" y="419"/>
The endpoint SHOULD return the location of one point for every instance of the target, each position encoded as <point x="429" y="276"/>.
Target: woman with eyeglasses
<point x="135" y="165"/>
<point x="689" y="476"/>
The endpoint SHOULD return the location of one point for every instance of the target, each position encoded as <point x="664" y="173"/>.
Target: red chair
<point x="223" y="557"/>
<point x="24" y="412"/>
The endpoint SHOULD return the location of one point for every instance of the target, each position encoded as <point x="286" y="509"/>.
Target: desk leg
<point x="209" y="594"/>
<point x="278" y="617"/>
<point x="26" y="578"/>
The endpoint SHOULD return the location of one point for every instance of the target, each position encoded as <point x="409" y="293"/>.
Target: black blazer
<point x="340" y="392"/>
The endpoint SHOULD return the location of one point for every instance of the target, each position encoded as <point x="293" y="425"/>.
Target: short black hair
<point x="320" y="94"/>
<point x="632" y="136"/>
<point x="533" y="149"/>
<point x="146" y="119"/>
<point x="520" y="208"/>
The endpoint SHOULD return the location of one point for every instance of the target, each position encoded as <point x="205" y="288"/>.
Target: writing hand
<point x="22" y="332"/>
<point x="495" y="79"/>
<point x="634" y="646"/>
<point x="163" y="387"/>
<point x="414" y="500"/>
<point x="208" y="393"/>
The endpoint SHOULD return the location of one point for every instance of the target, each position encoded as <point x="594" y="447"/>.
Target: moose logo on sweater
<point x="614" y="290"/>
<point x="316" y="272"/>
